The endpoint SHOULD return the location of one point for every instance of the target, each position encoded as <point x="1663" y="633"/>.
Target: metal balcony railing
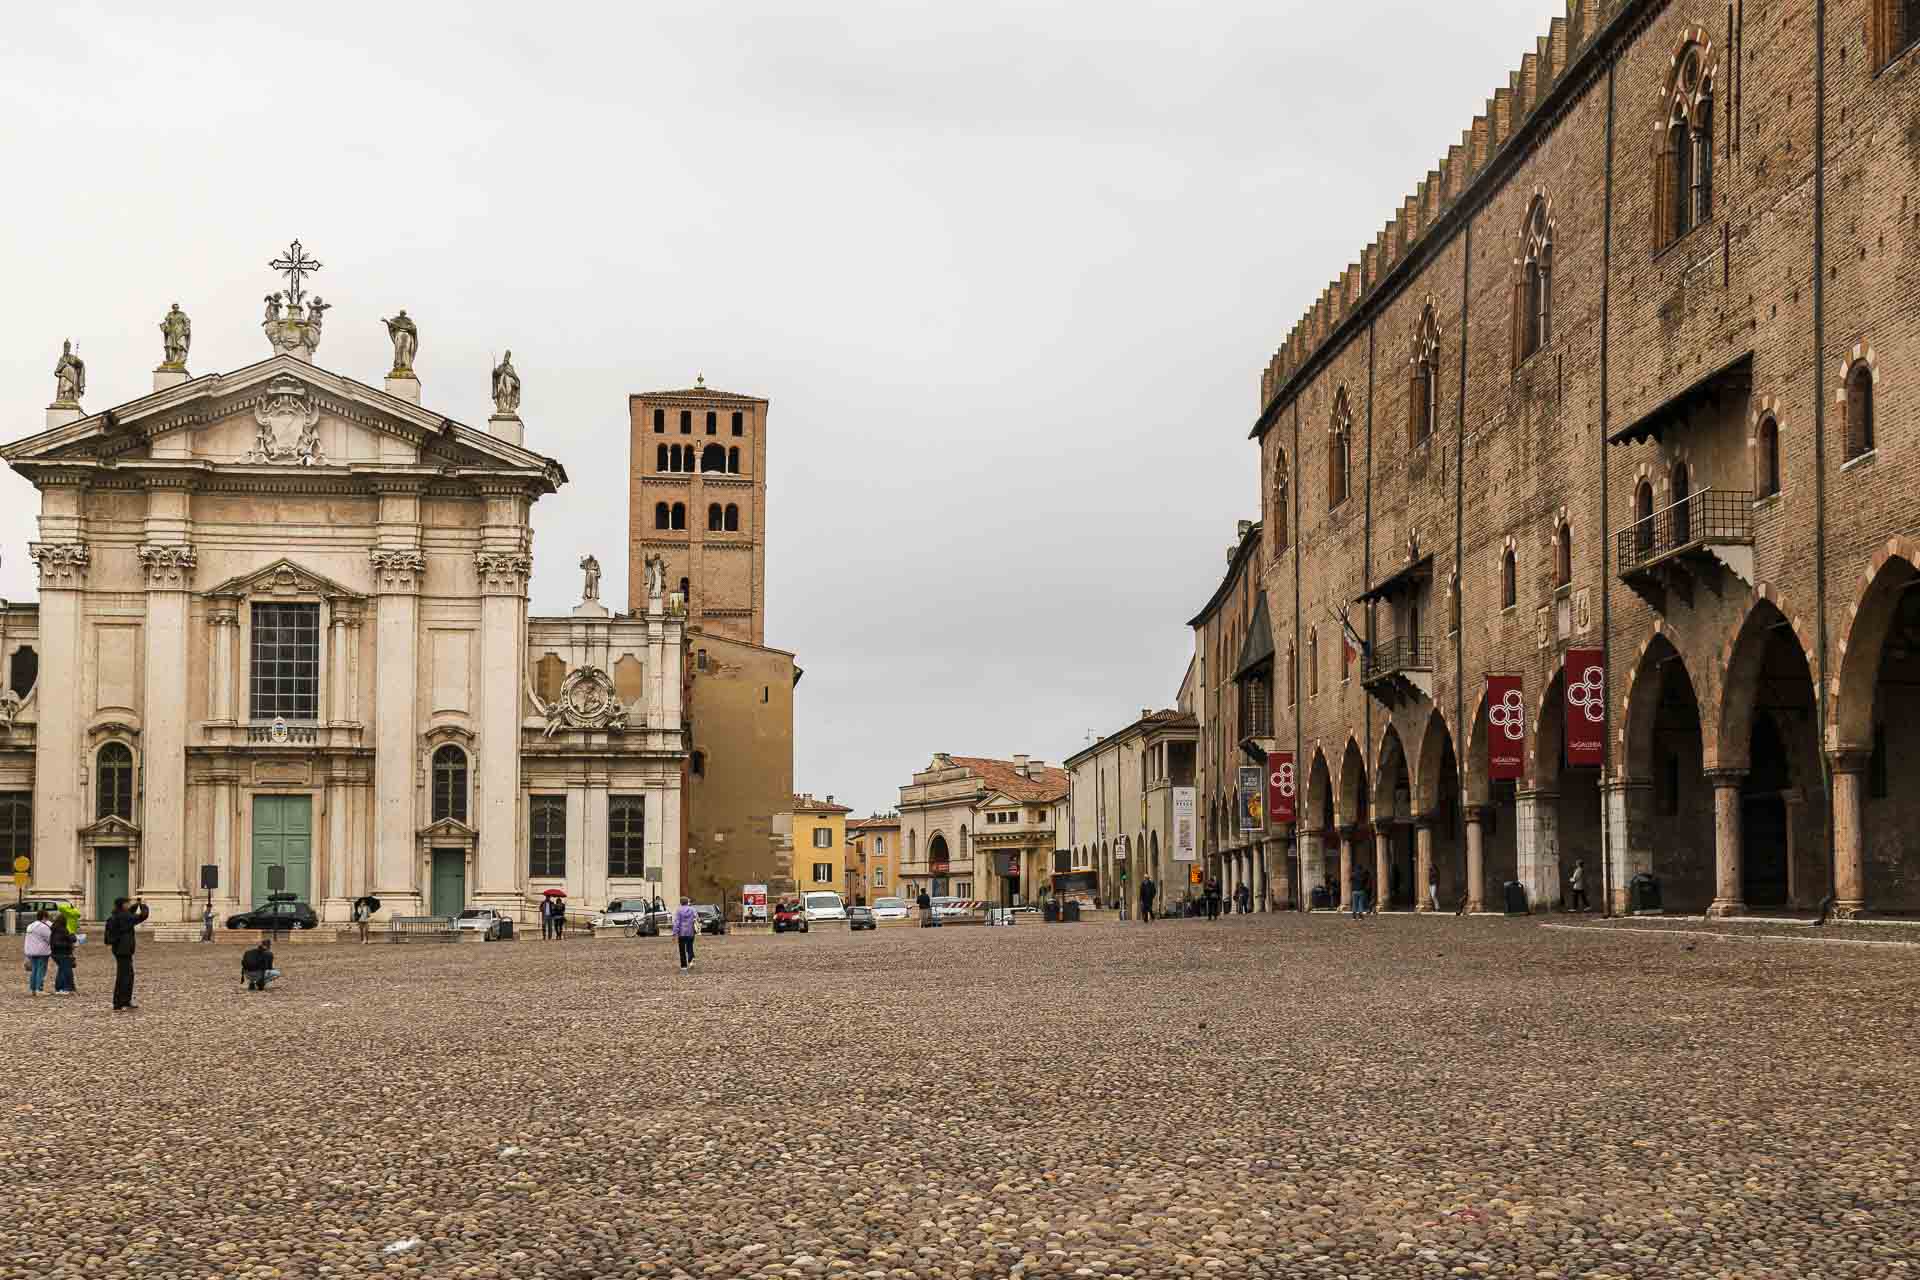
<point x="1711" y="516"/>
<point x="1402" y="653"/>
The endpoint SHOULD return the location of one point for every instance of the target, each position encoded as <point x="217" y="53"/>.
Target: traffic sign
<point x="20" y="878"/>
<point x="23" y="863"/>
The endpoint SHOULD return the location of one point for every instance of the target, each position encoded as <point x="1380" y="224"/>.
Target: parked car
<point x="483" y="920"/>
<point x="1026" y="909"/>
<point x="789" y="917"/>
<point x="891" y="909"/>
<point x="859" y="918"/>
<point x="280" y="911"/>
<point x="622" y="912"/>
<point x="824" y="905"/>
<point x="708" y="918"/>
<point x="17" y="915"/>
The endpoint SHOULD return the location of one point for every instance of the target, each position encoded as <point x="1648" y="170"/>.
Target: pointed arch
<point x="1320" y="814"/>
<point x="1392" y="777"/>
<point x="1280" y="522"/>
<point x="1889" y="583"/>
<point x="1423" y="384"/>
<point x="1351" y="802"/>
<point x="1339" y="450"/>
<point x="1533" y="289"/>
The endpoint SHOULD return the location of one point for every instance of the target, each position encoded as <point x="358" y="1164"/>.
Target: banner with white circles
<point x="1506" y="728"/>
<point x="1586" y="710"/>
<point x="1281" y="787"/>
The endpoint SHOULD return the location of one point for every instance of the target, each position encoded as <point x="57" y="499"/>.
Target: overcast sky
<point x="1007" y="272"/>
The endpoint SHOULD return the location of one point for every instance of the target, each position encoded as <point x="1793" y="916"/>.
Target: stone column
<point x="1422" y="862"/>
<point x="57" y="755"/>
<point x="340" y="674"/>
<point x="1729" y="891"/>
<point x="1382" y="863"/>
<point x="1537" y="832"/>
<point x="1629" y="810"/>
<point x="1313" y="873"/>
<point x="223" y="624"/>
<point x="398" y="572"/>
<point x="503" y="651"/>
<point x="1849" y="830"/>
<point x="1476" y="817"/>
<point x="1346" y="868"/>
<point x="164" y="880"/>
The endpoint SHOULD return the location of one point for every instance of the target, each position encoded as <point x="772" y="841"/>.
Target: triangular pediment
<point x="281" y="412"/>
<point x="111" y="827"/>
<point x="284" y="578"/>
<point x="450" y="829"/>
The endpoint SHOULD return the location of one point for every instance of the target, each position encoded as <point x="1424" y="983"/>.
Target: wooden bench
<point x="422" y="929"/>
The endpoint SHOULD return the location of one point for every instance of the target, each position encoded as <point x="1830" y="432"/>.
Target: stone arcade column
<point x="1422" y="862"/>
<point x="1729" y="891"/>
<point x="1476" y="816"/>
<point x="164" y="878"/>
<point x="1849" y="829"/>
<point x="1382" y="864"/>
<point x="1629" y="810"/>
<point x="399" y="569"/>
<point x="1312" y="867"/>
<point x="1537" y="823"/>
<point x="503" y="651"/>
<point x="57" y="760"/>
<point x="1346" y="868"/>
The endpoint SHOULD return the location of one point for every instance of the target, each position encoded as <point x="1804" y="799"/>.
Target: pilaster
<point x="1849" y="831"/>
<point x="1729" y="892"/>
<point x="1382" y="864"/>
<point x="1346" y="868"/>
<point x="223" y="622"/>
<point x="164" y="879"/>
<point x="1313" y="873"/>
<point x="398" y="572"/>
<point x="1422" y="863"/>
<point x="503" y="653"/>
<point x="57" y="752"/>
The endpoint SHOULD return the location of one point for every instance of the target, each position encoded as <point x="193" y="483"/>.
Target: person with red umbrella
<point x="553" y="914"/>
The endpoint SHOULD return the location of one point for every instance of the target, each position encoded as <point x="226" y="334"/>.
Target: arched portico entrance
<point x="1436" y="816"/>
<point x="1395" y="875"/>
<point x="1770" y="749"/>
<point x="1319" y="843"/>
<point x="1356" y="830"/>
<point x="1671" y="832"/>
<point x="1566" y="804"/>
<point x="939" y="864"/>
<point x="1491" y="823"/>
<point x="1876" y="736"/>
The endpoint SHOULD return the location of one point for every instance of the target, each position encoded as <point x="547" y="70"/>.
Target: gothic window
<point x="1339" y="450"/>
<point x="713" y="516"/>
<point x="1563" y="557"/>
<point x="661" y="459"/>
<point x="1766" y="458"/>
<point x="679" y="515"/>
<point x="713" y="423"/>
<point x="1683" y="181"/>
<point x="1509" y="579"/>
<point x="1313" y="663"/>
<point x="714" y="459"/>
<point x="1859" y="409"/>
<point x="16" y="825"/>
<point x="113" y="782"/>
<point x="626" y="836"/>
<point x="739" y="424"/>
<point x="659" y="421"/>
<point x="1533" y="291"/>
<point x="1282" y="522"/>
<point x="684" y="592"/>
<point x="284" y="674"/>
<point x="662" y="516"/>
<point x="1421" y="409"/>
<point x="686" y="422"/>
<point x="23" y="671"/>
<point x="733" y="461"/>
<point x="732" y="518"/>
<point x="1643" y="518"/>
<point x="547" y="836"/>
<point x="450" y="784"/>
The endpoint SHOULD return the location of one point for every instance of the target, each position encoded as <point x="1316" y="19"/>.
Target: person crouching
<point x="256" y="965"/>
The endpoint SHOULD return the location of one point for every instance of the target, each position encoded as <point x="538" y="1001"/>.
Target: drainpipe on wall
<point x="1463" y="754"/>
<point x="1822" y="710"/>
<point x="1606" y="536"/>
<point x="1299" y="736"/>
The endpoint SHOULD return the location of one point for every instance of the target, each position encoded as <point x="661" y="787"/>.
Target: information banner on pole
<point x="1281" y="787"/>
<point x="1253" y="800"/>
<point x="1506" y="728"/>
<point x="753" y="901"/>
<point x="1586" y="710"/>
<point x="1185" y="835"/>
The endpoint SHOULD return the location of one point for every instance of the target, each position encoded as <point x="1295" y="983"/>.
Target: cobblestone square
<point x="1268" y="1096"/>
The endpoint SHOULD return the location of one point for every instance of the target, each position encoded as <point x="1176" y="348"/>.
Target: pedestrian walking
<point x="256" y="965"/>
<point x="363" y="909"/>
<point x="559" y="919"/>
<point x="1213" y="899"/>
<point x="1148" y="892"/>
<point x="206" y="923"/>
<point x="39" y="947"/>
<point x="546" y="918"/>
<point x="925" y="904"/>
<point x="1243" y="900"/>
<point x="1433" y="889"/>
<point x="685" y="921"/>
<point x="1358" y="891"/>
<point x="63" y="939"/>
<point x="126" y="917"/>
<point x="1577" y="885"/>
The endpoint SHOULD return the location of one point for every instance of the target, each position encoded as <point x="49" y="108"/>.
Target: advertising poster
<point x="1586" y="710"/>
<point x="1253" y="798"/>
<point x="753" y="897"/>
<point x="1185" y="836"/>
<point x="1506" y="728"/>
<point x="1280" y="786"/>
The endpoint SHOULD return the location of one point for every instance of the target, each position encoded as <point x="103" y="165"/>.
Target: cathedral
<point x="282" y="645"/>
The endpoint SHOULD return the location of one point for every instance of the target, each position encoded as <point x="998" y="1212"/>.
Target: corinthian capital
<point x="503" y="572"/>
<point x="61" y="564"/>
<point x="169" y="567"/>
<point x="397" y="570"/>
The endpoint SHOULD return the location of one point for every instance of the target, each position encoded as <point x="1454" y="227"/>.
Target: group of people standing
<point x="553" y="918"/>
<point x="53" y="937"/>
<point x="1212" y="902"/>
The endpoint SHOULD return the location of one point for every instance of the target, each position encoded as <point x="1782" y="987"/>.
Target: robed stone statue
<point x="406" y="341"/>
<point x="69" y="376"/>
<point x="506" y="391"/>
<point x="176" y="332"/>
<point x="592" y="567"/>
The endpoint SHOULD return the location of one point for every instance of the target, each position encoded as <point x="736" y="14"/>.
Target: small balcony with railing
<point x="1705" y="537"/>
<point x="1399" y="669"/>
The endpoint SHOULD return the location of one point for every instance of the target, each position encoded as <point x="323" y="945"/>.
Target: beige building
<point x="698" y="503"/>
<point x="980" y="828"/>
<point x="873" y="857"/>
<point x="282" y="632"/>
<point x="819" y="857"/>
<point x="1122" y="808"/>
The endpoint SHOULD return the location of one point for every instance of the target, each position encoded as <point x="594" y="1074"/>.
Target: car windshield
<point x="889" y="902"/>
<point x="472" y="913"/>
<point x="823" y="899"/>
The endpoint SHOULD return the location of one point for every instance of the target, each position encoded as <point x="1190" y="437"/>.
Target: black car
<point x="280" y="911"/>
<point x="708" y="919"/>
<point x="859" y="918"/>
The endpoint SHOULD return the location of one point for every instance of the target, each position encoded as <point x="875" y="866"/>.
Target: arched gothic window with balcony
<point x="1766" y="458"/>
<point x="732" y="518"/>
<point x="450" y="784"/>
<point x="1859" y="409"/>
<point x="1421" y="409"/>
<point x="113" y="782"/>
<point x="1533" y="291"/>
<point x="1282" y="519"/>
<point x="1339" y="450"/>
<point x="1683" y="182"/>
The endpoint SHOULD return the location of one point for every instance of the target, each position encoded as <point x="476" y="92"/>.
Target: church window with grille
<point x="546" y="836"/>
<point x="626" y="836"/>
<point x="284" y="672"/>
<point x="450" y="784"/>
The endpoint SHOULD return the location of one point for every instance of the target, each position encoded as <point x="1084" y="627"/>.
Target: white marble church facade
<point x="283" y="631"/>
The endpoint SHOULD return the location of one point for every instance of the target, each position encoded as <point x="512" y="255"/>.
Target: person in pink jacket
<point x="685" y="922"/>
<point x="39" y="951"/>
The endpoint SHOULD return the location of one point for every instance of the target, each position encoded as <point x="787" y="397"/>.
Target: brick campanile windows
<point x="1533" y="288"/>
<point x="1339" y="450"/>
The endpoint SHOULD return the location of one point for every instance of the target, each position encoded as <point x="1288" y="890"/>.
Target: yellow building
<point x="819" y="845"/>
<point x="873" y="857"/>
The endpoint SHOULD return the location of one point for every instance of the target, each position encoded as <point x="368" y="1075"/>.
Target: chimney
<point x="829" y="797"/>
<point x="1245" y="527"/>
<point x="1020" y="765"/>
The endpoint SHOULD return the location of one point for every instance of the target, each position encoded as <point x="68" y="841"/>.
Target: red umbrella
<point x="553" y="893"/>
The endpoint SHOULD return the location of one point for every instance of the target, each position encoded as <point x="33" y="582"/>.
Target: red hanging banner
<point x="1506" y="728"/>
<point x="1586" y="711"/>
<point x="1281" y="787"/>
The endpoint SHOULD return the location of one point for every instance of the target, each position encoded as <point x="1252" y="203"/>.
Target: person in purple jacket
<point x="685" y="921"/>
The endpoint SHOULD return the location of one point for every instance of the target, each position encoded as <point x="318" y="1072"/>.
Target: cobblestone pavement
<point x="1257" y="1097"/>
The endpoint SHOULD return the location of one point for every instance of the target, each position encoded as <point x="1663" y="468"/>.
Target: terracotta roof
<point x="807" y="804"/>
<point x="1000" y="776"/>
<point x="696" y="393"/>
<point x="872" y="824"/>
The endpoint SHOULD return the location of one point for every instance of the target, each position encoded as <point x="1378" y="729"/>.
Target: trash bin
<point x="1643" y="895"/>
<point x="1050" y="912"/>
<point x="1072" y="913"/>
<point x="502" y="931"/>
<point x="1516" y="898"/>
<point x="1322" y="898"/>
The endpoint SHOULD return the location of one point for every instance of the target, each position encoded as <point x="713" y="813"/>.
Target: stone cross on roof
<point x="294" y="264"/>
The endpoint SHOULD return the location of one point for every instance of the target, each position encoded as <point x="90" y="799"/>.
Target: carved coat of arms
<point x="289" y="426"/>
<point x="587" y="700"/>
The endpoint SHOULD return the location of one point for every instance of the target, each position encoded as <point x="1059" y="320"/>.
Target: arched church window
<point x="450" y="784"/>
<point x="714" y="458"/>
<point x="662" y="516"/>
<point x="679" y="515"/>
<point x="733" y="518"/>
<point x="113" y="782"/>
<point x="713" y="516"/>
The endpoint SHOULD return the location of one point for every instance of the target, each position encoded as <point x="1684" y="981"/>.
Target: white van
<point x="823" y="906"/>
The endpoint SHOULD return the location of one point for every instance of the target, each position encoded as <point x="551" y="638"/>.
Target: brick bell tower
<point x="698" y="498"/>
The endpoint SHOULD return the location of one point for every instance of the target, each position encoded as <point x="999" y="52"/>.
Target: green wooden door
<point x="109" y="880"/>
<point x="449" y="882"/>
<point x="283" y="837"/>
